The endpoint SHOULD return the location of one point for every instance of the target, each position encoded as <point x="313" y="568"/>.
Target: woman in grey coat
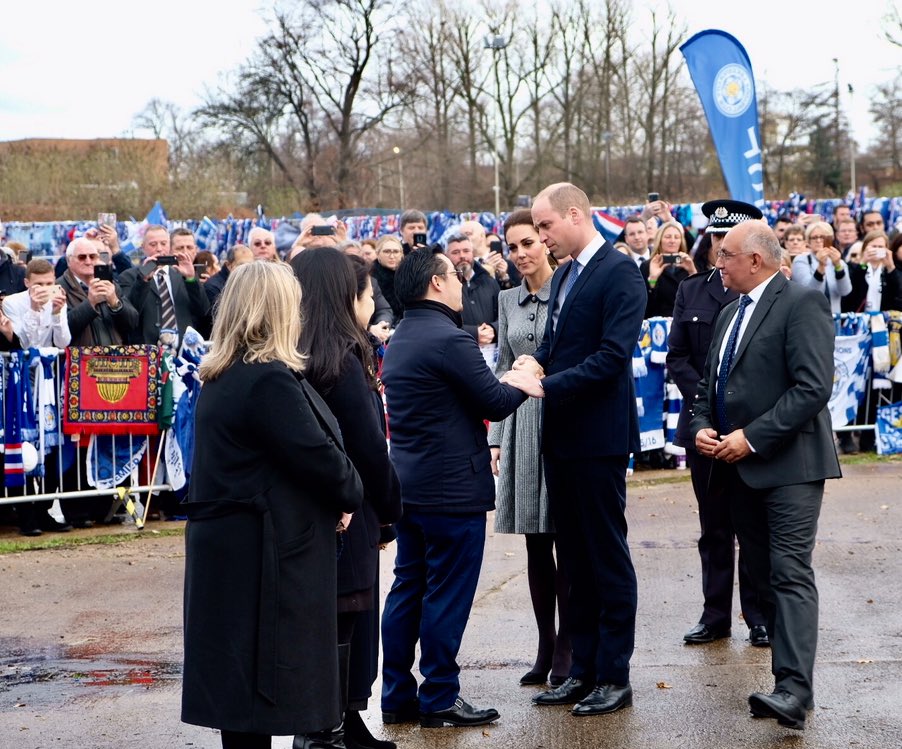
<point x="522" y="502"/>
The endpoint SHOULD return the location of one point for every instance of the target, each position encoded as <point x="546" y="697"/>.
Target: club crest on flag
<point x="733" y="90"/>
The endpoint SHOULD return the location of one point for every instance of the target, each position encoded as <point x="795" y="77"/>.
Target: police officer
<point x="699" y="300"/>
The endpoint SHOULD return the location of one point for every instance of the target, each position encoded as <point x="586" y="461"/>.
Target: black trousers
<point x="776" y="529"/>
<point x="717" y="549"/>
<point x="587" y="497"/>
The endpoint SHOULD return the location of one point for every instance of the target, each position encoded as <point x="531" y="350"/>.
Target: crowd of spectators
<point x="95" y="294"/>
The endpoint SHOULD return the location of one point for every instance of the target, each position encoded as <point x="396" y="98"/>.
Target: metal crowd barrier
<point x="50" y="484"/>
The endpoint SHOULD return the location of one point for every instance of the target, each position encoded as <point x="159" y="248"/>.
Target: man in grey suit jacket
<point x="761" y="414"/>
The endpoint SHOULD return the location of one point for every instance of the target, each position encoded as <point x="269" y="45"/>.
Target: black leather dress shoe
<point x="409" y="713"/>
<point x="702" y="633"/>
<point x="461" y="713"/>
<point x="568" y="693"/>
<point x="533" y="678"/>
<point x="785" y="707"/>
<point x="31" y="532"/>
<point x="605" y="698"/>
<point x="758" y="636"/>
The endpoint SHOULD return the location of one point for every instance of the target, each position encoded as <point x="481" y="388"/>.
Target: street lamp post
<point x="397" y="152"/>
<point x="496" y="43"/>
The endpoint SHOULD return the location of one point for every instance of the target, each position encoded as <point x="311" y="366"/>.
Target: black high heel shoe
<point x="534" y="678"/>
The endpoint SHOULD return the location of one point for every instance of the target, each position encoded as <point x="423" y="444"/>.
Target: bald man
<point x="761" y="416"/>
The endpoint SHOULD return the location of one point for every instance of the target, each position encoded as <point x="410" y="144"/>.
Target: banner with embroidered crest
<point x="112" y="390"/>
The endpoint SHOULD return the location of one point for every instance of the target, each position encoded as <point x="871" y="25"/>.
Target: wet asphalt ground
<point x="90" y="640"/>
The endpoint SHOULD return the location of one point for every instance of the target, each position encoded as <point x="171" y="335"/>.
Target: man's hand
<point x="733" y="447"/>
<point x="108" y="236"/>
<point x="496" y="457"/>
<point x="381" y="330"/>
<point x="39" y="296"/>
<point x="344" y="521"/>
<point x="6" y="326"/>
<point x="185" y="266"/>
<point x="58" y="295"/>
<point x="529" y="364"/>
<point x="102" y="291"/>
<point x="485" y="334"/>
<point x="705" y="441"/>
<point x="524" y="380"/>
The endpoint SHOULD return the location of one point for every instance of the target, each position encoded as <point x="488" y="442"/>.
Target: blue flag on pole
<point x="722" y="74"/>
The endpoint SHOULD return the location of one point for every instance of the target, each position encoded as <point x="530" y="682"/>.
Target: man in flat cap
<point x="699" y="300"/>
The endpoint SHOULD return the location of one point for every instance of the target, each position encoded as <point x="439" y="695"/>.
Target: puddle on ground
<point x="83" y="665"/>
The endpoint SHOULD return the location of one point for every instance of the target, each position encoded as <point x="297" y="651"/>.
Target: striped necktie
<point x="167" y="309"/>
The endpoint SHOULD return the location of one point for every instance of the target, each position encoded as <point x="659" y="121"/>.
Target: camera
<point x="199" y="269"/>
<point x="420" y="239"/>
<point x="653" y="197"/>
<point x="323" y="231"/>
<point x="166" y="260"/>
<point x="106" y="219"/>
<point x="671" y="259"/>
<point x="496" y="246"/>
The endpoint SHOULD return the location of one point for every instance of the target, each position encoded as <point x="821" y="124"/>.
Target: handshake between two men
<point x="526" y="375"/>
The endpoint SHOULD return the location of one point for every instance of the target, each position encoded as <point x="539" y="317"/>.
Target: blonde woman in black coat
<point x="270" y="483"/>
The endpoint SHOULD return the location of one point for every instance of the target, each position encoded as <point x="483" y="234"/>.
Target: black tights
<point x="237" y="740"/>
<point x="548" y="589"/>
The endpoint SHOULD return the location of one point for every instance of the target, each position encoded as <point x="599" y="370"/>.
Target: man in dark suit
<point x="699" y="300"/>
<point x="761" y="416"/>
<point x="168" y="298"/>
<point x="583" y="370"/>
<point x="439" y="391"/>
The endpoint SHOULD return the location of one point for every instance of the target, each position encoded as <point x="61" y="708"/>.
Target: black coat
<point x="662" y="296"/>
<point x="480" y="297"/>
<point x="188" y="298"/>
<point x="699" y="301"/>
<point x="269" y="482"/>
<point x="361" y="417"/>
<point x="440" y="393"/>
<point x="890" y="290"/>
<point x="386" y="280"/>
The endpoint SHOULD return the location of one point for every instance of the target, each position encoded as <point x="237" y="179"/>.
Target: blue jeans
<point x="436" y="570"/>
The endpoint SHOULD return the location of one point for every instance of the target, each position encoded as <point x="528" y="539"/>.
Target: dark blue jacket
<point x="440" y="391"/>
<point x="590" y="398"/>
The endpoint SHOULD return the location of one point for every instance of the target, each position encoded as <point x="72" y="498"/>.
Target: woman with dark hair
<point x="522" y="500"/>
<point x="341" y="367"/>
<point x="270" y="482"/>
<point x="703" y="257"/>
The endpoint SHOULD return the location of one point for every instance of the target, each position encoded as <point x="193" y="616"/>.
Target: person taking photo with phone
<point x="669" y="264"/>
<point x="98" y="313"/>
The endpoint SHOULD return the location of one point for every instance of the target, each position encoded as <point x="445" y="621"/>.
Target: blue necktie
<point x="727" y="363"/>
<point x="571" y="279"/>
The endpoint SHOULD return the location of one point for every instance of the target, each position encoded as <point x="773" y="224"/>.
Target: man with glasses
<point x="761" y="417"/>
<point x="439" y="392"/>
<point x="699" y="301"/>
<point x="166" y="293"/>
<point x="98" y="313"/>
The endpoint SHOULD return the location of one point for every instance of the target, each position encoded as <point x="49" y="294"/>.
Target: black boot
<point x="332" y="738"/>
<point x="358" y="736"/>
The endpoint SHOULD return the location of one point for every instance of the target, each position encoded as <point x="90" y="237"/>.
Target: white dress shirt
<point x="583" y="259"/>
<point x="37" y="329"/>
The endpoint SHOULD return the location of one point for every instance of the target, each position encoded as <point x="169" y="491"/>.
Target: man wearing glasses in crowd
<point x="439" y="391"/>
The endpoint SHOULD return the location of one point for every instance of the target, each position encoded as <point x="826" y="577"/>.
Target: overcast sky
<point x="83" y="70"/>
